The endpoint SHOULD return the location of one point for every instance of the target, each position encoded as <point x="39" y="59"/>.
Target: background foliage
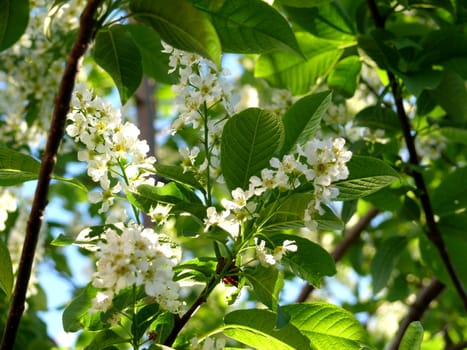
<point x="387" y="76"/>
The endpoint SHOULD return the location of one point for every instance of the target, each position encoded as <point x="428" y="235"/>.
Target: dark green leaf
<point x="267" y="282"/>
<point x="456" y="135"/>
<point x="6" y="275"/>
<point x="302" y="119"/>
<point x="451" y="94"/>
<point x="180" y="25"/>
<point x="16" y="167"/>
<point x="293" y="72"/>
<point x="413" y="337"/>
<point x="77" y="309"/>
<point x="252" y="26"/>
<point x="344" y="77"/>
<point x="453" y="230"/>
<point x="104" y="339"/>
<point x="451" y="194"/>
<point x="257" y="329"/>
<point x="376" y="117"/>
<point x="367" y="175"/>
<point x="419" y="81"/>
<point x="327" y="326"/>
<point x="155" y="62"/>
<point x="385" y="260"/>
<point x="176" y="173"/>
<point x="117" y="53"/>
<point x="249" y="140"/>
<point x="14" y="17"/>
<point x="310" y="262"/>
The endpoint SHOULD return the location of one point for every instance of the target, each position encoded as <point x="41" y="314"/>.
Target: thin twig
<point x="351" y="237"/>
<point x="418" y="308"/>
<point x="56" y="132"/>
<point x="433" y="232"/>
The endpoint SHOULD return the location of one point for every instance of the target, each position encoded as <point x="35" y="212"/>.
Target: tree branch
<point x="56" y="132"/>
<point x="418" y="308"/>
<point x="339" y="251"/>
<point x="433" y="233"/>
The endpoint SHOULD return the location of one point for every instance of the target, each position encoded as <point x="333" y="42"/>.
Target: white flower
<point x="264" y="257"/>
<point x="136" y="257"/>
<point x="287" y="246"/>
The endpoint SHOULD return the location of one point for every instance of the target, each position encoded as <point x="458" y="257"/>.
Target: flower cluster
<point x="320" y="162"/>
<point x="30" y="72"/>
<point x="116" y="158"/>
<point x="135" y="257"/>
<point x="201" y="86"/>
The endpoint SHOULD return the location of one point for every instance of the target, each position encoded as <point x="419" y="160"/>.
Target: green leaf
<point x="421" y="80"/>
<point x="16" y="167"/>
<point x="62" y="241"/>
<point x="267" y="282"/>
<point x="455" y="135"/>
<point x="310" y="262"/>
<point x="6" y="275"/>
<point x="14" y="17"/>
<point x="180" y="25"/>
<point x="249" y="140"/>
<point x="385" y="260"/>
<point x="155" y="62"/>
<point x="303" y="3"/>
<point x="282" y="70"/>
<point x="413" y="337"/>
<point x="251" y="26"/>
<point x="327" y="326"/>
<point x="182" y="198"/>
<point x="289" y="214"/>
<point x="176" y="173"/>
<point x="257" y="329"/>
<point x="451" y="94"/>
<point x="453" y="233"/>
<point x="376" y="117"/>
<point x="450" y="196"/>
<point x="104" y="339"/>
<point x="344" y="77"/>
<point x="72" y="317"/>
<point x="116" y="52"/>
<point x="302" y="119"/>
<point x="201" y="269"/>
<point x="367" y="175"/>
<point x="329" y="20"/>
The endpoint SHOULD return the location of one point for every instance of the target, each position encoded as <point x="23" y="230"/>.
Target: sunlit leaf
<point x="267" y="282"/>
<point x="344" y="77"/>
<point x="413" y="337"/>
<point x="293" y="72"/>
<point x="257" y="329"/>
<point x="327" y="326"/>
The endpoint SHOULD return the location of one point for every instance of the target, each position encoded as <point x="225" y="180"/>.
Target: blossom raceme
<point x="135" y="256"/>
<point x="116" y="158"/>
